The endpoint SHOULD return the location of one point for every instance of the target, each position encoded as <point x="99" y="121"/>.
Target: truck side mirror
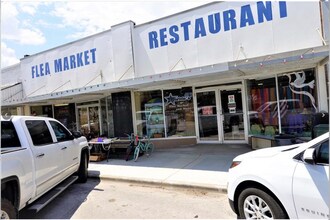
<point x="309" y="156"/>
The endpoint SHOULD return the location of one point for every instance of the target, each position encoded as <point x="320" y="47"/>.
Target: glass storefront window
<point x="104" y="118"/>
<point x="149" y="114"/>
<point x="179" y="112"/>
<point x="295" y="105"/>
<point x="297" y="92"/>
<point x="262" y="101"/>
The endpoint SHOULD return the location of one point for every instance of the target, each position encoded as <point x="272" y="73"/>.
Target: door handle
<point x="41" y="155"/>
<point x="63" y="148"/>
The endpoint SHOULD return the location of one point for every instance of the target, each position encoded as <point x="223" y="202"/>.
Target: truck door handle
<point x="63" y="148"/>
<point x="41" y="155"/>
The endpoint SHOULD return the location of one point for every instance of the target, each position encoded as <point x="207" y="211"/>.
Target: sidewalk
<point x="201" y="166"/>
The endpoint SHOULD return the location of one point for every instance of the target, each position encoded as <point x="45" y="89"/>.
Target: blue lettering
<point x="72" y="61"/>
<point x="185" y="26"/>
<point x="33" y="71"/>
<point x="249" y="15"/>
<point x="283" y="11"/>
<point x="153" y="42"/>
<point x="93" y="55"/>
<point x="65" y="64"/>
<point x="47" y="69"/>
<point x="37" y="71"/>
<point x="229" y="20"/>
<point x="41" y="69"/>
<point x="175" y="37"/>
<point x="214" y="23"/>
<point x="86" y="57"/>
<point x="199" y="28"/>
<point x="264" y="11"/>
<point x="246" y="16"/>
<point x="58" y="65"/>
<point x="163" y="36"/>
<point x="79" y="59"/>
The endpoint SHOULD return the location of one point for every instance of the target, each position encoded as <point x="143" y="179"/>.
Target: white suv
<point x="282" y="182"/>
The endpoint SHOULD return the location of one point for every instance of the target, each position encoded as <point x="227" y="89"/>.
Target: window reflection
<point x="179" y="112"/>
<point x="149" y="114"/>
<point x="297" y="91"/>
<point x="263" y="115"/>
<point x="295" y="105"/>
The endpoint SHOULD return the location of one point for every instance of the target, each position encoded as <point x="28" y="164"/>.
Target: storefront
<point x="219" y="73"/>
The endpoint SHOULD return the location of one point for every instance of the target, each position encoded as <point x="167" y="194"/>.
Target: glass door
<point x="207" y="116"/>
<point x="83" y="121"/>
<point x="94" y="122"/>
<point x="88" y="119"/>
<point x="232" y="114"/>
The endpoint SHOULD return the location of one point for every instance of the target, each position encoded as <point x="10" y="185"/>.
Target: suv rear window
<point x="39" y="132"/>
<point x="9" y="137"/>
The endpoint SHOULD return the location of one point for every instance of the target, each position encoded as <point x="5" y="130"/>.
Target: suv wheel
<point x="254" y="203"/>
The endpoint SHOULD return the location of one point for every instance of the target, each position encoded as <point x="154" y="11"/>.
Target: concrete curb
<point x="95" y="174"/>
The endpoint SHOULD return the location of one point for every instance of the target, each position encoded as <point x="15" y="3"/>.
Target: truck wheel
<point x="83" y="172"/>
<point x="8" y="211"/>
<point x="254" y="203"/>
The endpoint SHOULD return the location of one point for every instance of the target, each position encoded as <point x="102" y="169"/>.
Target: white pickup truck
<point x="39" y="159"/>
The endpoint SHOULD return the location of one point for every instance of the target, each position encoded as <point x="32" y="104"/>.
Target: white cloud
<point x="88" y="18"/>
<point x="31" y="37"/>
<point x="22" y="22"/>
<point x="28" y="8"/>
<point x="8" y="56"/>
<point x="14" y="30"/>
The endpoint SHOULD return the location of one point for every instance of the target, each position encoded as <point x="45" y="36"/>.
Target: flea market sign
<point x="73" y="61"/>
<point x="216" y="23"/>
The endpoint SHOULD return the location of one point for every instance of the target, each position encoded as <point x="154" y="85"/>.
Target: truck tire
<point x="83" y="172"/>
<point x="8" y="210"/>
<point x="255" y="203"/>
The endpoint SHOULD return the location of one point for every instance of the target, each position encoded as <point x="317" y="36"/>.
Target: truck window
<point x="61" y="133"/>
<point x="39" y="132"/>
<point x="9" y="137"/>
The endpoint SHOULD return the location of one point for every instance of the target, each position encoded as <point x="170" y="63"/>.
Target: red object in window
<point x="207" y="110"/>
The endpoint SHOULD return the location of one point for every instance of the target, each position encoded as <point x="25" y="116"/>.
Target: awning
<point x="11" y="93"/>
<point x="205" y="75"/>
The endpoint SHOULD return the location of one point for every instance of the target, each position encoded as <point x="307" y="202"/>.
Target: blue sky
<point x="30" y="27"/>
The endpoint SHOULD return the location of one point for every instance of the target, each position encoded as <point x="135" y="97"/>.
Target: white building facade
<point x="219" y="73"/>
